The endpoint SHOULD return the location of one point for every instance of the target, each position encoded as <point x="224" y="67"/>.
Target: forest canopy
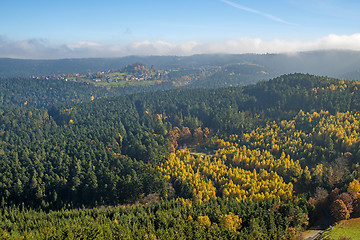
<point x="256" y="162"/>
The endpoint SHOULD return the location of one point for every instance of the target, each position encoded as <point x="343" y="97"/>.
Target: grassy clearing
<point x="349" y="229"/>
<point x="114" y="84"/>
<point x="116" y="75"/>
<point x="125" y="83"/>
<point x="201" y="151"/>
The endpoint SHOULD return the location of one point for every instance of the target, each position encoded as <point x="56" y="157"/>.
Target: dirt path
<point x="311" y="234"/>
<point x="314" y="233"/>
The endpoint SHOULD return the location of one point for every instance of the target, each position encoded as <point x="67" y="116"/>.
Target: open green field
<point x="197" y="151"/>
<point x="116" y="75"/>
<point x="349" y="229"/>
<point x="111" y="84"/>
<point x="125" y="83"/>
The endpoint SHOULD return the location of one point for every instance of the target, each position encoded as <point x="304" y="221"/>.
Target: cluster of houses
<point x="136" y="72"/>
<point x="106" y="76"/>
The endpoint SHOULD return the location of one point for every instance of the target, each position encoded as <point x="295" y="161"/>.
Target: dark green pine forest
<point x="264" y="161"/>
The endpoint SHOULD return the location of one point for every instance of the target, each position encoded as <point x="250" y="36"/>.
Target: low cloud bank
<point x="40" y="49"/>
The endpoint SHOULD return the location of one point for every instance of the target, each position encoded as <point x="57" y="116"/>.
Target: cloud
<point x="269" y="16"/>
<point x="41" y="49"/>
<point x="84" y="44"/>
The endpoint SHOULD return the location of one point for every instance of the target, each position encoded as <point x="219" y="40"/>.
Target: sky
<point x="54" y="29"/>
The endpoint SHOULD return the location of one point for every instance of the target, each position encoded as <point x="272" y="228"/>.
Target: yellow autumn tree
<point x="354" y="187"/>
<point x="204" y="221"/>
<point x="231" y="221"/>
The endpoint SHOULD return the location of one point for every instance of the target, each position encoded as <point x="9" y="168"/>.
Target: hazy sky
<point x="109" y="28"/>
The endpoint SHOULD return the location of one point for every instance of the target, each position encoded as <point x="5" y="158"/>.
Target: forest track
<point x="312" y="234"/>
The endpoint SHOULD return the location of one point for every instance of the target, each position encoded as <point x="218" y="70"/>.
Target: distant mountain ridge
<point x="334" y="63"/>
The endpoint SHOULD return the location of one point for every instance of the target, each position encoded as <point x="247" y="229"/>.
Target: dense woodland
<point x="257" y="162"/>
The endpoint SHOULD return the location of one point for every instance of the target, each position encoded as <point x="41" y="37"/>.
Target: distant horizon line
<point x="184" y="56"/>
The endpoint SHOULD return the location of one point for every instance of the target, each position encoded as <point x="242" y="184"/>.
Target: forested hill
<point x="43" y="93"/>
<point x="287" y="93"/>
<point x="255" y="162"/>
<point x="292" y="91"/>
<point x="307" y="92"/>
<point x="335" y="63"/>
